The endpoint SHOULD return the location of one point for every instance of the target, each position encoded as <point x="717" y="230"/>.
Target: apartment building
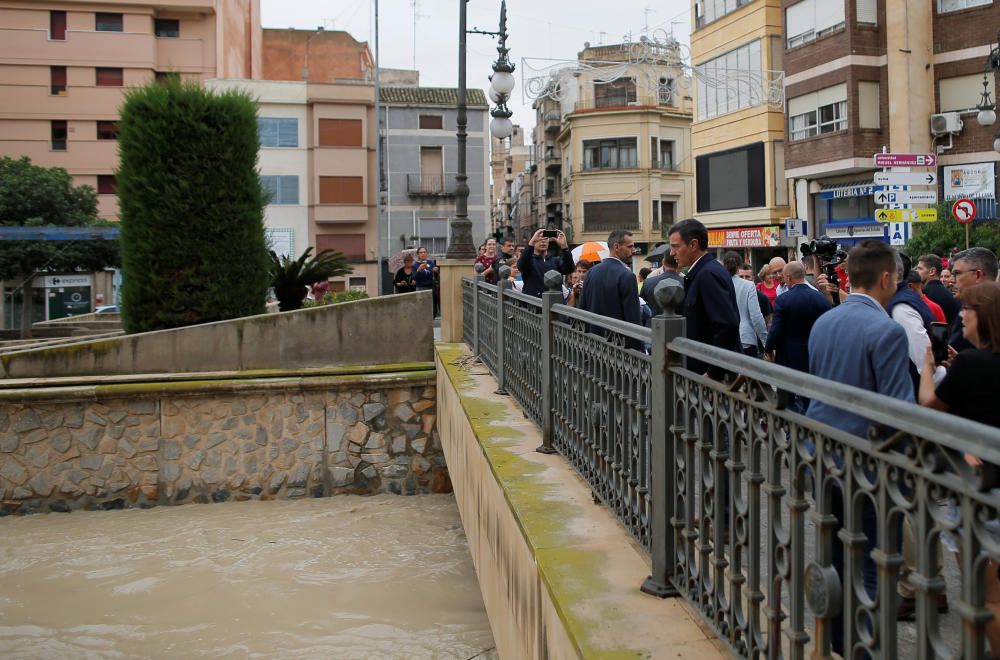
<point x="616" y="152"/>
<point x="64" y="67"/>
<point x="420" y="162"/>
<point x="508" y="158"/>
<point x="863" y="75"/>
<point x="738" y="132"/>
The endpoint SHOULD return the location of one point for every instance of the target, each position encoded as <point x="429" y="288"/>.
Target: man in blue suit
<point x="859" y="344"/>
<point x="709" y="295"/>
<point x="610" y="288"/>
<point x="795" y="312"/>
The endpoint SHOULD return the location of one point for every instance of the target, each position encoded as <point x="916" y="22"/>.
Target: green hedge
<point x="192" y="208"/>
<point x="334" y="297"/>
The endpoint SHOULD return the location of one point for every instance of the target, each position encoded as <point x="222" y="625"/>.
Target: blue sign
<point x="852" y="191"/>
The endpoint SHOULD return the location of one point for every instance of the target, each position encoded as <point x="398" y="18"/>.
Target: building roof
<point x="431" y="96"/>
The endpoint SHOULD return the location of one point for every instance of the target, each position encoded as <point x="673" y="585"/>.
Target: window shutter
<point x="963" y="92"/>
<point x="799" y="18"/>
<point x="801" y="104"/>
<point x="289" y="193"/>
<point x="268" y="130"/>
<point x="829" y="13"/>
<point x="868" y="12"/>
<point x="288" y="132"/>
<point x="831" y="95"/>
<point x="868" y="110"/>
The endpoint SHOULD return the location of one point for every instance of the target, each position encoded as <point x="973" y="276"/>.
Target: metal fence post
<point x="553" y="281"/>
<point x="502" y="284"/>
<point x="666" y="327"/>
<point x="475" y="313"/>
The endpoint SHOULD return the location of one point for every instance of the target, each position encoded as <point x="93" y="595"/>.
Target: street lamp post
<point x="987" y="108"/>
<point x="460" y="245"/>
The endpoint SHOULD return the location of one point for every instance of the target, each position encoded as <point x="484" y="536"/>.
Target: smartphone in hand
<point x="939" y="334"/>
<point x="550" y="233"/>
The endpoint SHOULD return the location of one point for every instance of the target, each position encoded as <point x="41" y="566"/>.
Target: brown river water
<point x="341" y="577"/>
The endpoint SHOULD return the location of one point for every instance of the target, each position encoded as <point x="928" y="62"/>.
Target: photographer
<point x="821" y="257"/>
<point x="535" y="261"/>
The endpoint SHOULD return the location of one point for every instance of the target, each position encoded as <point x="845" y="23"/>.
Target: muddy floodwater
<point x="341" y="577"/>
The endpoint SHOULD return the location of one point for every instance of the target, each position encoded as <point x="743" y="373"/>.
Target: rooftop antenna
<point x="646" y="12"/>
<point x="416" y="17"/>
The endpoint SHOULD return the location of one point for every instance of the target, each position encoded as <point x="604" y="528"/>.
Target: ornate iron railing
<point x="750" y="511"/>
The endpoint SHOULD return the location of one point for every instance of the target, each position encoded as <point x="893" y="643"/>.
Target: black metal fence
<point x="750" y="511"/>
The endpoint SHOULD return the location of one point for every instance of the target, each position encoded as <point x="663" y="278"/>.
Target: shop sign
<point x="850" y="191"/>
<point x="60" y="281"/>
<point x="745" y="237"/>
<point x="861" y="231"/>
<point x="972" y="180"/>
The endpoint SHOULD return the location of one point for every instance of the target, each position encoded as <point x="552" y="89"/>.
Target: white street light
<point x="986" y="117"/>
<point x="494" y="97"/>
<point x="503" y="83"/>
<point x="996" y="145"/>
<point x="501" y="127"/>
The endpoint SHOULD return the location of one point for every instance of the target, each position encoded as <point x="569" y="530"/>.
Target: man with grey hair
<point x="753" y="330"/>
<point x="970" y="267"/>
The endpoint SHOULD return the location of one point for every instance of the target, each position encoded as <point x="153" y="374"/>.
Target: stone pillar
<point x="910" y="56"/>
<point x="452" y="271"/>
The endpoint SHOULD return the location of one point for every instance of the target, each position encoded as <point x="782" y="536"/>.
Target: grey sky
<point x="538" y="29"/>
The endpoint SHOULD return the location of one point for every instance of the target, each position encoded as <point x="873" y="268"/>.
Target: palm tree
<point x="290" y="279"/>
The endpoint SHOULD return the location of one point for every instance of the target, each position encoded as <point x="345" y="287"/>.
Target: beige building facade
<point x="738" y="133"/>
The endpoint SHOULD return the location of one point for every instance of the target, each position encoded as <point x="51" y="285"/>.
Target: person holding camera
<point x="535" y="261"/>
<point x="424" y="274"/>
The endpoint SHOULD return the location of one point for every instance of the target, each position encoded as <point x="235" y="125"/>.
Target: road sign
<point x="907" y="197"/>
<point x="905" y="160"/>
<point x="899" y="233"/>
<point x="964" y="210"/>
<point x="906" y="178"/>
<point x="906" y="215"/>
<point x="794" y="227"/>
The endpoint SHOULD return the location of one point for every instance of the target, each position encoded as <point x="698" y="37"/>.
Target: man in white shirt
<point x="753" y="330"/>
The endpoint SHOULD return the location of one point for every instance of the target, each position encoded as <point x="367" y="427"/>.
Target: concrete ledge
<point x="372" y="331"/>
<point x="560" y="577"/>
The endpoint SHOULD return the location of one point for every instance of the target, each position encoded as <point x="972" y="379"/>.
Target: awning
<point x="860" y="188"/>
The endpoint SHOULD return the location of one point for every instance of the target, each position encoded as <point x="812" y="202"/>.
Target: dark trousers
<point x="752" y="350"/>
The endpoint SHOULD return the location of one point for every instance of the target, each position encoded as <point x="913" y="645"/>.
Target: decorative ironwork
<point x="487" y="306"/>
<point x="468" y="311"/>
<point x="769" y="523"/>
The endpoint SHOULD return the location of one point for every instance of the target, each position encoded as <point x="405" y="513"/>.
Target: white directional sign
<point x="906" y="178"/>
<point x="907" y="197"/>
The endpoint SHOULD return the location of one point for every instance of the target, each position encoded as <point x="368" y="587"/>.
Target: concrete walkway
<point x="560" y="577"/>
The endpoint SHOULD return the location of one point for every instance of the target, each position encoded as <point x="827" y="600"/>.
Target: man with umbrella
<point x="535" y="261"/>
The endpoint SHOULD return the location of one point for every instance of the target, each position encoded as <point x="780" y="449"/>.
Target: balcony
<point x="623" y="102"/>
<point x="552" y="122"/>
<point x="553" y="158"/>
<point x="430" y="185"/>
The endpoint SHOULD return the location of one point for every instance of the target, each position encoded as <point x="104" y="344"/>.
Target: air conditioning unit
<point x="946" y="123"/>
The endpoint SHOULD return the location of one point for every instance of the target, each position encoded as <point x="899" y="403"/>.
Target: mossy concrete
<point x="583" y="564"/>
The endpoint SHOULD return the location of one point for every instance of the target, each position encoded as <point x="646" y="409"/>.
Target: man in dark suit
<point x="929" y="268"/>
<point x="709" y="295"/>
<point x="610" y="287"/>
<point x="669" y="273"/>
<point x="795" y="312"/>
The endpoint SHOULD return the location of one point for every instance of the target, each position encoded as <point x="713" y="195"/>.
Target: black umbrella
<point x="657" y="253"/>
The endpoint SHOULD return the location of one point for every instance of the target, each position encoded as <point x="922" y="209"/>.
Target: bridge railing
<point x="750" y="511"/>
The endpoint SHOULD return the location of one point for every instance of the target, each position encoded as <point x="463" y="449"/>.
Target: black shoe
<point x="907" y="608"/>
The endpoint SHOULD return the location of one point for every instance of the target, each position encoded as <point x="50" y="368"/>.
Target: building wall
<point x="759" y="20"/>
<point x="333" y="56"/>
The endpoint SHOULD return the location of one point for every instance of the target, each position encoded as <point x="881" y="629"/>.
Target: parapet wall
<point x="389" y="329"/>
<point x="130" y="444"/>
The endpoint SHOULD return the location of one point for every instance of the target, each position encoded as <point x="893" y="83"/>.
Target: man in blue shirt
<point x="858" y="343"/>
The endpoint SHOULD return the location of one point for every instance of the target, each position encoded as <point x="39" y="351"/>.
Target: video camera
<point x="829" y="255"/>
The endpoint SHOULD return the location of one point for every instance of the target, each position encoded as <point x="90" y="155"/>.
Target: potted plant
<point x="291" y="279"/>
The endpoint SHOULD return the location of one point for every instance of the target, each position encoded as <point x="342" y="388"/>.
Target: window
<point x="606" y="216"/>
<point x="431" y="122"/>
<point x="809" y="19"/>
<point x="341" y="190"/>
<point x="283" y="189"/>
<point x="340" y="133"/>
<point x="707" y="11"/>
<point x="780" y="182"/>
<point x="57" y="80"/>
<point x="867" y="12"/>
<point x="107" y="184"/>
<point x="167" y="27"/>
<point x="656" y="214"/>
<point x="817" y="113"/>
<point x="57" y="25"/>
<point x="431" y="170"/>
<point x="617" y="153"/>
<point x="107" y="130"/>
<point x="357" y="283"/>
<point x="662" y="154"/>
<point x="351" y="246"/>
<point x="732" y="179"/>
<point x="730" y="82"/>
<point x="945" y="6"/>
<point x="614" y="94"/>
<point x="962" y="93"/>
<point x="868" y="108"/>
<point x="278" y="131"/>
<point x="108" y="22"/>
<point x="59" y="132"/>
<point x="667" y="213"/>
<point x="109" y="77"/>
<point x="433" y="234"/>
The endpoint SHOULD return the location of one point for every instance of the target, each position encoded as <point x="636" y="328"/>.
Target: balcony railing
<point x="662" y="99"/>
<point x="764" y="520"/>
<point x="430" y="185"/>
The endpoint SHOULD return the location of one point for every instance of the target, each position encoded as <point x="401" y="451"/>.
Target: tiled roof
<point x="431" y="96"/>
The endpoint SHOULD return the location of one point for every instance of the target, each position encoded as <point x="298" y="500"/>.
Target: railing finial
<point x="669" y="295"/>
<point x="553" y="280"/>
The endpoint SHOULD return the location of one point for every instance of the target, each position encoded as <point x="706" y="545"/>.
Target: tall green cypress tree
<point x="192" y="208"/>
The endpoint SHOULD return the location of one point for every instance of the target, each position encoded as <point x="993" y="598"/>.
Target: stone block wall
<point x="217" y="442"/>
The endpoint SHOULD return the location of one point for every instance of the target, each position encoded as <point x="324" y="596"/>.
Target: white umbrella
<point x="592" y="251"/>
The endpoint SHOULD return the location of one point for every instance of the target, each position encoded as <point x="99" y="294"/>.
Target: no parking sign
<point x="964" y="210"/>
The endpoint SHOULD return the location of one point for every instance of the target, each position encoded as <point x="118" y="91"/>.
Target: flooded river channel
<point x="341" y="577"/>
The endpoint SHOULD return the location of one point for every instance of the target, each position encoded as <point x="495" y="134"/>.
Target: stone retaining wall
<point x="124" y="445"/>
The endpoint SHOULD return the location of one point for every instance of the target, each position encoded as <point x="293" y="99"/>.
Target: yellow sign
<point x="906" y="215"/>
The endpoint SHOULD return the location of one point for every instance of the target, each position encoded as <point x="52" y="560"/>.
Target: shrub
<point x="192" y="207"/>
<point x="334" y="297"/>
<point x="291" y="277"/>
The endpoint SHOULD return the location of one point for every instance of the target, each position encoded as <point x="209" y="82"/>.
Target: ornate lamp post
<point x="461" y="246"/>
<point x="987" y="108"/>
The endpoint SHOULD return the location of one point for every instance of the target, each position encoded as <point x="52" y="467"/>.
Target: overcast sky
<point x="539" y="29"/>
